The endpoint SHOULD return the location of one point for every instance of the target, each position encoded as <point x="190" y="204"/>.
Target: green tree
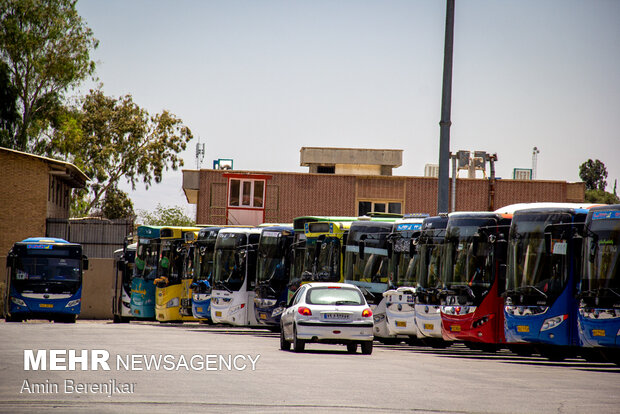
<point x="593" y="173"/>
<point x="8" y="107"/>
<point x="112" y="139"/>
<point x="117" y="205"/>
<point x="46" y="46"/>
<point x="165" y="216"/>
<point x="601" y="197"/>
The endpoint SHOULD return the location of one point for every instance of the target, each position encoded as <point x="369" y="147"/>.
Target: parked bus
<point x="204" y="249"/>
<point x="124" y="260"/>
<point x="544" y="251"/>
<point x="145" y="271"/>
<point x="404" y="273"/>
<point x="366" y="266"/>
<point x="171" y="280"/>
<point x="44" y="280"/>
<point x="234" y="279"/>
<point x="599" y="290"/>
<point x="429" y="250"/>
<point x="273" y="268"/>
<point x="474" y="278"/>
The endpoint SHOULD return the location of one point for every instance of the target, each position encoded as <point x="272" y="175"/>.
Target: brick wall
<point x="291" y="195"/>
<point x="23" y="198"/>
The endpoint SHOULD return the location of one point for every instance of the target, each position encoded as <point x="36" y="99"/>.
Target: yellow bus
<point x="172" y="280"/>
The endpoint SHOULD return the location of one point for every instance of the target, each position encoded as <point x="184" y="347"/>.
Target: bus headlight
<point x="237" y="308"/>
<point x="18" y="301"/>
<point x="72" y="303"/>
<point x="172" y="303"/>
<point x="553" y="322"/>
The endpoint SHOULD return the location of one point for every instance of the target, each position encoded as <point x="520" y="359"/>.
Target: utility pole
<point x="443" y="188"/>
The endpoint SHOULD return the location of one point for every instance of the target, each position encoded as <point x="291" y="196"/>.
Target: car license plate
<point x="199" y="309"/>
<point x="598" y="332"/>
<point x="523" y="328"/>
<point x="401" y="324"/>
<point x="218" y="313"/>
<point x="455" y="328"/>
<point x="46" y="305"/>
<point x="263" y="316"/>
<point x="330" y="316"/>
<point x="429" y="326"/>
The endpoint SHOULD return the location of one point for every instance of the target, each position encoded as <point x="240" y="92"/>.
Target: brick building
<point x="33" y="189"/>
<point x="253" y="197"/>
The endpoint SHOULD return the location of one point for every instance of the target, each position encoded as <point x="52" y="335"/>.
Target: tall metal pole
<point x="443" y="189"/>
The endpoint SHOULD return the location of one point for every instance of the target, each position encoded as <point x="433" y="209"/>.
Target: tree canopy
<point x="593" y="173"/>
<point x="165" y="216"/>
<point x="46" y="47"/>
<point x="112" y="139"/>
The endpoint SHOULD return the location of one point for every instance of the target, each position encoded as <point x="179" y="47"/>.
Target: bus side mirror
<point x="84" y="262"/>
<point x="10" y="261"/>
<point x="501" y="250"/>
<point x="475" y="242"/>
<point x="390" y="249"/>
<point x="362" y="246"/>
<point x="593" y="251"/>
<point x="413" y="247"/>
<point x="548" y="243"/>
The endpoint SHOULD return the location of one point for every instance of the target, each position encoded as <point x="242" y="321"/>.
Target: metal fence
<point x="98" y="237"/>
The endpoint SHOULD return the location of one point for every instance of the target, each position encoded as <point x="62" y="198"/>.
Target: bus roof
<point x="46" y="240"/>
<point x="512" y="208"/>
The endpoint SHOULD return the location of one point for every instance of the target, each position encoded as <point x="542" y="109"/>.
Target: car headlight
<point x="18" y="301"/>
<point x="379" y="318"/>
<point x="553" y="322"/>
<point x="277" y="311"/>
<point x="172" y="303"/>
<point x="72" y="303"/>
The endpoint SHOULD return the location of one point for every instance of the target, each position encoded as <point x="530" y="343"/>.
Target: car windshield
<point x="601" y="263"/>
<point x="334" y="296"/>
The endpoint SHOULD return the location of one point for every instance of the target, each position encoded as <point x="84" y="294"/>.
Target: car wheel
<point x="284" y="344"/>
<point x="352" y="347"/>
<point x="298" y="344"/>
<point x="367" y="347"/>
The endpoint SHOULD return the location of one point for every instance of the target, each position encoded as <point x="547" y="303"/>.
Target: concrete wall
<point x="97" y="289"/>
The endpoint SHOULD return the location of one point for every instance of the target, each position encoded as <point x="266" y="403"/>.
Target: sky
<point x="256" y="80"/>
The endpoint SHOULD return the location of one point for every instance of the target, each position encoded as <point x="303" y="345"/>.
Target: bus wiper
<point x="219" y="285"/>
<point x="530" y="287"/>
<point x="467" y="289"/>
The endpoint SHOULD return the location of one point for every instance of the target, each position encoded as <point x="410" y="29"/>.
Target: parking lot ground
<point x="243" y="370"/>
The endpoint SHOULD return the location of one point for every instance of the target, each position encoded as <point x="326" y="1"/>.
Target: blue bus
<point x="544" y="251"/>
<point x="145" y="272"/>
<point x="273" y="267"/>
<point x="44" y="280"/>
<point x="599" y="290"/>
<point x="203" y="273"/>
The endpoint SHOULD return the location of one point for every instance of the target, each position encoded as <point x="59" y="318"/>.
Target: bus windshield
<point x="204" y="260"/>
<point x="271" y="259"/>
<point x="230" y="261"/>
<point x="34" y="274"/>
<point x="429" y="264"/>
<point x="467" y="258"/>
<point x="532" y="269"/>
<point x="601" y="263"/>
<point x="147" y="257"/>
<point x="328" y="261"/>
<point x="171" y="262"/>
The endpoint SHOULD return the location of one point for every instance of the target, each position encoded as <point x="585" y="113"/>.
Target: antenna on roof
<point x="535" y="153"/>
<point x="200" y="154"/>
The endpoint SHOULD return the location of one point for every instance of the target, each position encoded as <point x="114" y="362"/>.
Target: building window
<point x="246" y="193"/>
<point x="365" y="207"/>
<point x="326" y="169"/>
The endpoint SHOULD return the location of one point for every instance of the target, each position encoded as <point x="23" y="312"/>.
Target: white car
<point x="333" y="313"/>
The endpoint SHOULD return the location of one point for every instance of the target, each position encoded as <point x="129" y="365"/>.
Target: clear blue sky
<point x="257" y="80"/>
